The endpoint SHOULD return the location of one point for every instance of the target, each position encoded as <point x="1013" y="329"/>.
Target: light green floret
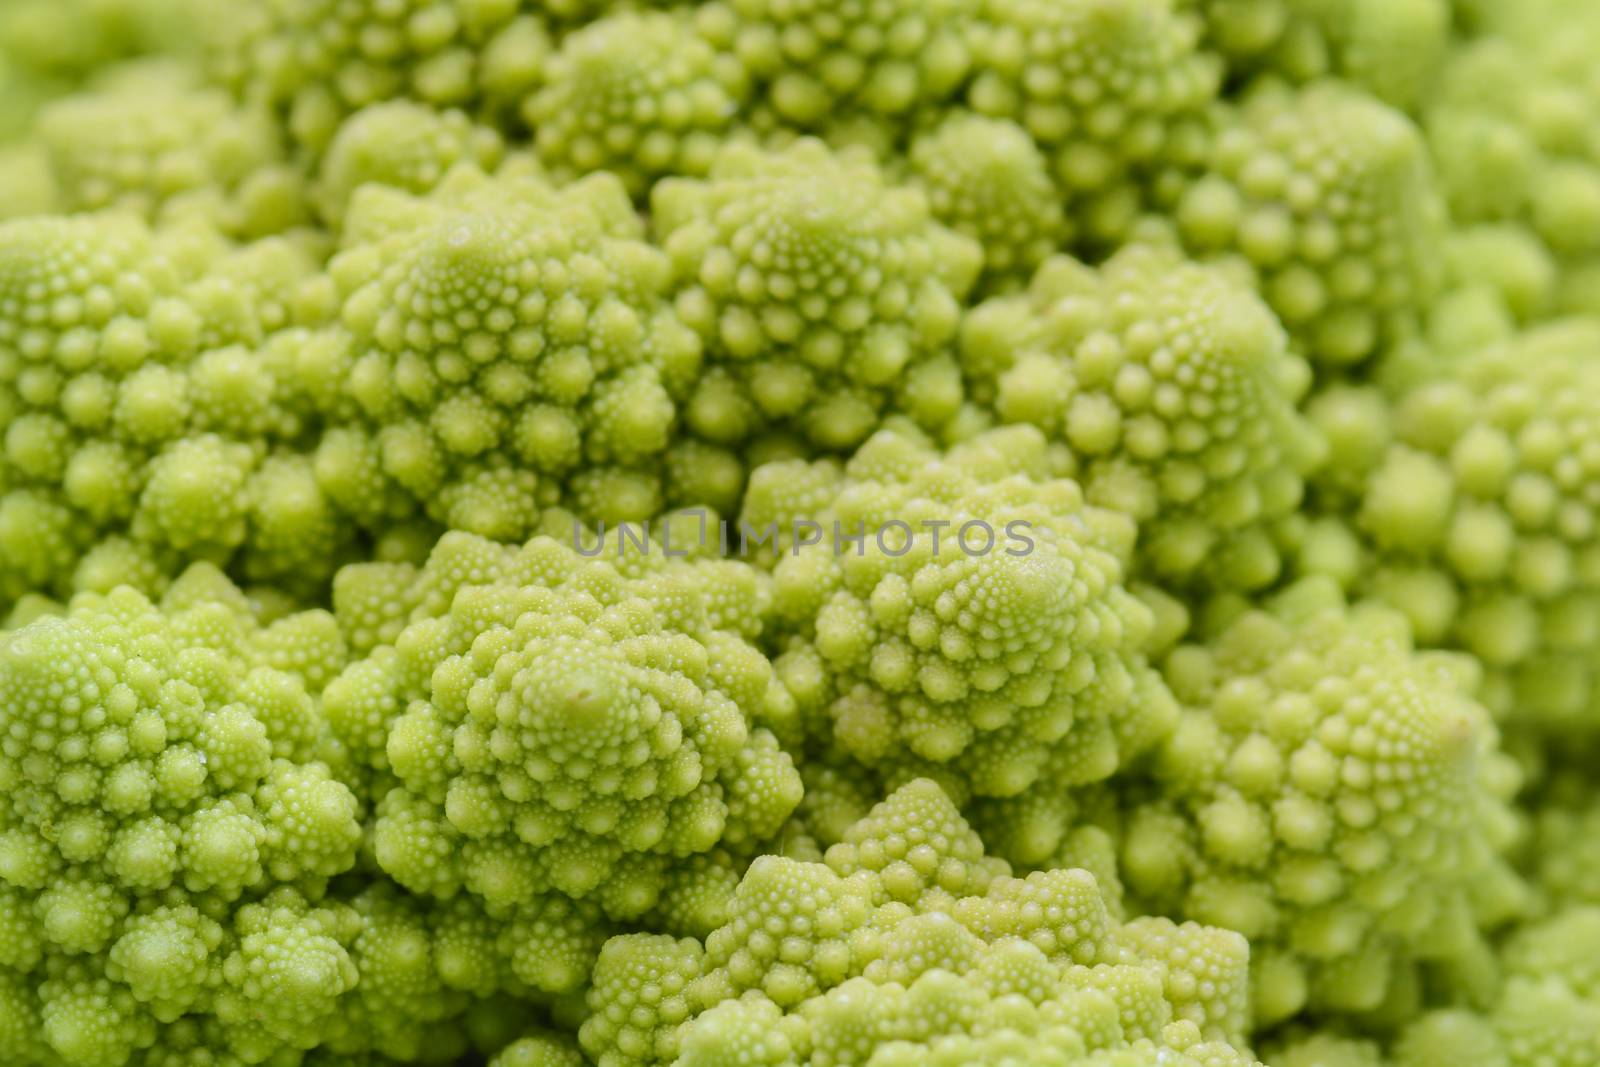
<point x="49" y="48"/>
<point x="1174" y="388"/>
<point x="539" y="1050"/>
<point x="813" y="59"/>
<point x="1478" y="496"/>
<point x="165" y="822"/>
<point x="906" y="942"/>
<point x="979" y="632"/>
<point x="555" y="724"/>
<point x="1511" y="129"/>
<point x="826" y="297"/>
<point x="985" y="178"/>
<point x="401" y="144"/>
<point x="506" y="346"/>
<point x="639" y="95"/>
<point x="1391" y="48"/>
<point x="148" y="139"/>
<point x="426" y="967"/>
<point x="137" y="419"/>
<point x="1546" y="1014"/>
<point x="1328" y="195"/>
<point x="1113" y="91"/>
<point x="1332" y="795"/>
<point x="425" y="983"/>
<point x="316" y="61"/>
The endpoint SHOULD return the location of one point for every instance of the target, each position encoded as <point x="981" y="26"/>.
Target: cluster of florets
<point x="1394" y="49"/>
<point x="906" y="942"/>
<point x="827" y="298"/>
<point x="977" y="630"/>
<point x="501" y="344"/>
<point x="316" y="61"/>
<point x="50" y="48"/>
<point x="553" y="724"/>
<point x="167" y="824"/>
<point x="1475" y="494"/>
<point x="1173" y="386"/>
<point x="1330" y="793"/>
<point x="1510" y="128"/>
<point x="150" y="140"/>
<point x="139" y="419"/>
<point x="1329" y="196"/>
<point x="639" y="95"/>
<point x="799" y="533"/>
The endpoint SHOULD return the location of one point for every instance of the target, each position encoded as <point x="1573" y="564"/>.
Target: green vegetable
<point x="799" y="533"/>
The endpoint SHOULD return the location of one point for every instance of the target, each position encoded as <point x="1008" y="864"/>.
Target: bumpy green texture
<point x="1565" y="842"/>
<point x="401" y="144"/>
<point x="1153" y="437"/>
<point x="540" y="1050"/>
<point x="980" y="631"/>
<point x="1549" y="1009"/>
<point x="906" y="945"/>
<point x="1174" y="388"/>
<point x="49" y="48"/>
<point x="639" y="95"/>
<point x="811" y="59"/>
<point x="1329" y="793"/>
<point x="149" y="140"/>
<point x="1511" y="130"/>
<point x="552" y="725"/>
<point x="166" y="829"/>
<point x="1476" y="493"/>
<point x="1329" y="196"/>
<point x="504" y="346"/>
<point x="1114" y="93"/>
<point x="315" y="61"/>
<point x="1392" y="48"/>
<point x="986" y="179"/>
<point x="826" y="297"/>
<point x="1546" y="1012"/>
<point x="139" y="421"/>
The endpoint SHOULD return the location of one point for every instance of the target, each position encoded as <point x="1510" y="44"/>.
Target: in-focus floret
<point x="1174" y="388"/>
<point x="908" y="942"/>
<point x="826" y="297"/>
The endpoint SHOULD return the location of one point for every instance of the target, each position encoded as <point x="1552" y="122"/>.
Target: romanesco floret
<point x="1392" y="48"/>
<point x="49" y="48"/>
<point x="139" y="422"/>
<point x="811" y="59"/>
<point x="403" y="145"/>
<point x="907" y="942"/>
<point x="555" y="725"/>
<point x="799" y="533"/>
<point x="1477" y="498"/>
<point x="315" y="61"/>
<point x="826" y="297"/>
<point x="1326" y="793"/>
<point x="1114" y="91"/>
<point x="506" y="346"/>
<point x="1328" y="195"/>
<point x="1547" y="1013"/>
<point x="1173" y="386"/>
<point x="978" y="631"/>
<point x="167" y="825"/>
<point x="638" y="95"/>
<point x="1510" y="129"/>
<point x="987" y="179"/>
<point x="149" y="140"/>
<point x="1565" y="840"/>
<point x="539" y="1050"/>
